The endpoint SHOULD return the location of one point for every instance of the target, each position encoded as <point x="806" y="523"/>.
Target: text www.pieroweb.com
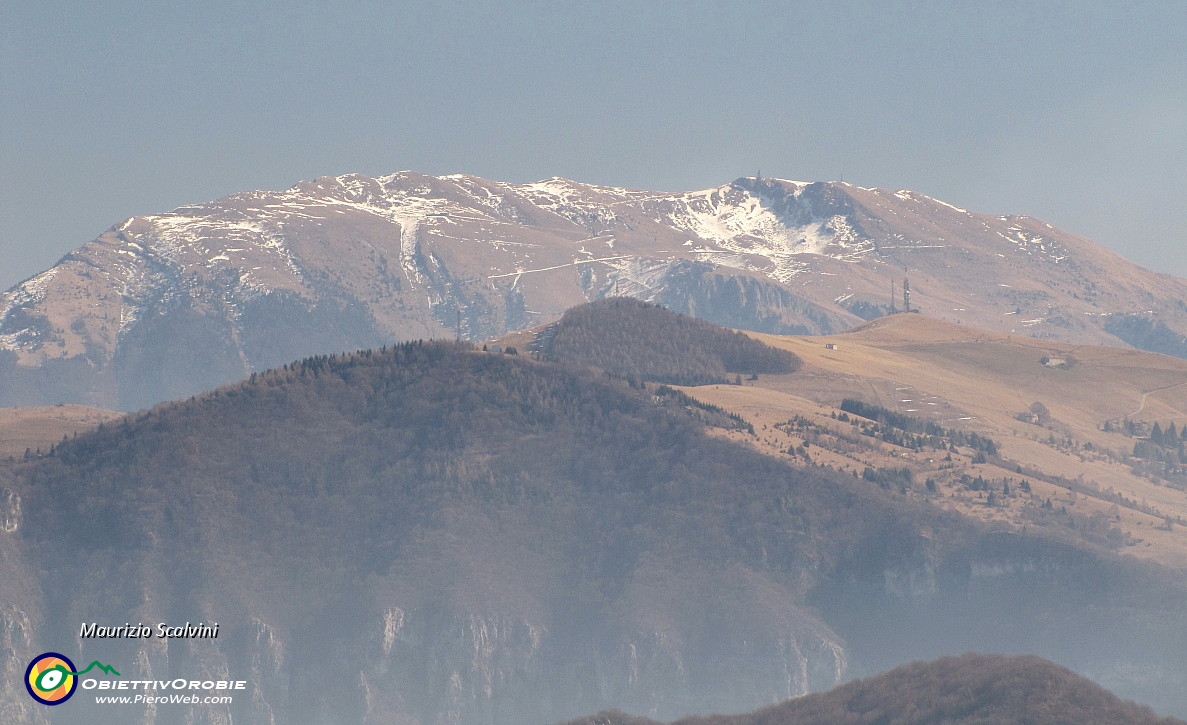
<point x="151" y="692"/>
<point x="173" y="699"/>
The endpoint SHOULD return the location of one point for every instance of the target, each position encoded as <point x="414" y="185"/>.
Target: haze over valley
<point x="627" y="509"/>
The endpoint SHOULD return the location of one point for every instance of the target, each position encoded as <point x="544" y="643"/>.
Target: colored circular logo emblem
<point x="50" y="678"/>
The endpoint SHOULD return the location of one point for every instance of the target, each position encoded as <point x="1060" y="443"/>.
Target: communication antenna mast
<point x="906" y="292"/>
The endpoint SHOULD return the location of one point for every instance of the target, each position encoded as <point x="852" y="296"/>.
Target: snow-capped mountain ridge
<point x="409" y="255"/>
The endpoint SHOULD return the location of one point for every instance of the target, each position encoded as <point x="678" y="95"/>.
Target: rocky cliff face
<point x="166" y="305"/>
<point x="20" y="613"/>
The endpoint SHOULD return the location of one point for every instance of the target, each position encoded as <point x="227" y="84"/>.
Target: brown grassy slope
<point x="42" y="427"/>
<point x="968" y="690"/>
<point x="975" y="380"/>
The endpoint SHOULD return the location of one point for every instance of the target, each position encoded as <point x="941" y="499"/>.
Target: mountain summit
<point x="165" y="305"/>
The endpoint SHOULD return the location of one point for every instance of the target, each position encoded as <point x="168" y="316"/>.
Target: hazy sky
<point x="1072" y="112"/>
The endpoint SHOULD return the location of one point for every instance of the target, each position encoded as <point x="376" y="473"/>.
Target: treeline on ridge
<point x="641" y="341"/>
<point x="924" y="432"/>
<point x="374" y="441"/>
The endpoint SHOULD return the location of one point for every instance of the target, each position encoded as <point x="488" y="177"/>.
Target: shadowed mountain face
<point x="434" y="534"/>
<point x="968" y="690"/>
<point x="431" y="534"/>
<point x="166" y="305"/>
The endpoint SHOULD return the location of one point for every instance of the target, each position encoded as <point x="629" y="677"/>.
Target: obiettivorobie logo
<point x="51" y="679"/>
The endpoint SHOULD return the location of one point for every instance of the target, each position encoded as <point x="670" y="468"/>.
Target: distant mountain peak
<point x="209" y="292"/>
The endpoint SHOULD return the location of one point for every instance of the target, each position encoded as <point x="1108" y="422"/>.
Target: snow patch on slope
<point x="745" y="232"/>
<point x="29" y="293"/>
<point x="1035" y="244"/>
<point x="916" y="197"/>
<point x="592" y="207"/>
<point x="33" y="290"/>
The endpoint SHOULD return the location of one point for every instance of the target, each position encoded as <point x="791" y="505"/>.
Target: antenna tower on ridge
<point x="906" y="292"/>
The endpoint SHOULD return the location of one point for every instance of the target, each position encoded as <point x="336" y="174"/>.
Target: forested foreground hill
<point x="643" y="341"/>
<point x="433" y="534"/>
<point x="967" y="690"/>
